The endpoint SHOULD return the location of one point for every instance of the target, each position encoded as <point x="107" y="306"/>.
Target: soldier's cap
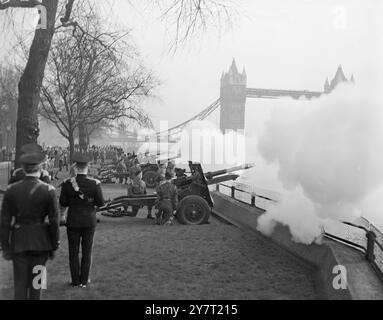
<point x="34" y="158"/>
<point x="31" y="148"/>
<point x="81" y="159"/>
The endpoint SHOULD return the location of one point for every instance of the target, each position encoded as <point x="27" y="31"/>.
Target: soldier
<point x="19" y="174"/>
<point x="171" y="167"/>
<point x="121" y="170"/>
<point x="167" y="201"/>
<point x="25" y="237"/>
<point x="138" y="186"/>
<point x="81" y="195"/>
<point x="160" y="173"/>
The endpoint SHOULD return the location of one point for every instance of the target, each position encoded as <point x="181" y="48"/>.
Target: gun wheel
<point x="193" y="210"/>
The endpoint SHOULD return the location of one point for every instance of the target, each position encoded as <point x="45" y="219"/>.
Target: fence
<point x="256" y="197"/>
<point x="362" y="236"/>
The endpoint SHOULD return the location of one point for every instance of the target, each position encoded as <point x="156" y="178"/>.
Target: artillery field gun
<point x="195" y="202"/>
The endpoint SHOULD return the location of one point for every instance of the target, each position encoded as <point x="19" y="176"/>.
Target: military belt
<point x="18" y="225"/>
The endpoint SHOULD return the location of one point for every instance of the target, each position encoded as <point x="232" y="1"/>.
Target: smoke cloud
<point x="328" y="156"/>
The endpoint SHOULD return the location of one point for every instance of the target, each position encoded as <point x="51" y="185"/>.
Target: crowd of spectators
<point x="114" y="154"/>
<point x="58" y="158"/>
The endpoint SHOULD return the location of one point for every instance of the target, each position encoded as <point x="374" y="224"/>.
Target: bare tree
<point x="188" y="16"/>
<point x="32" y="77"/>
<point x="8" y="105"/>
<point x="89" y="82"/>
<point x="193" y="17"/>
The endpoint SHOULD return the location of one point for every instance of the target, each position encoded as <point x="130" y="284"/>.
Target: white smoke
<point x="328" y="152"/>
<point x="298" y="213"/>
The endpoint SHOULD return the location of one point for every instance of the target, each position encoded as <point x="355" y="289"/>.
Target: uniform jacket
<point x="167" y="191"/>
<point x="82" y="203"/>
<point x="121" y="167"/>
<point x="137" y="186"/>
<point x="26" y="205"/>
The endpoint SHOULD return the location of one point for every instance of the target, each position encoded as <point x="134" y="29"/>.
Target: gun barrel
<point x="213" y="174"/>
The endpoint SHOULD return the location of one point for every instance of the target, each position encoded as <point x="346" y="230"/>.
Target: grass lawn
<point x="135" y="259"/>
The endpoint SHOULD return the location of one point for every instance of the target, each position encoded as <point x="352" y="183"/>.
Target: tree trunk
<point x="31" y="81"/>
<point x="71" y="147"/>
<point x="82" y="138"/>
<point x="87" y="138"/>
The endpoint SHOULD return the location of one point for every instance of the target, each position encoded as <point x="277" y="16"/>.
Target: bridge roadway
<point x="134" y="259"/>
<point x="275" y="93"/>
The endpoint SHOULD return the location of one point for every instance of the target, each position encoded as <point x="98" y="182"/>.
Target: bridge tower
<point x="338" y="78"/>
<point x="233" y="99"/>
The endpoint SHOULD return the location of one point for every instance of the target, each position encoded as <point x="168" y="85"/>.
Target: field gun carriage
<point x="194" y="200"/>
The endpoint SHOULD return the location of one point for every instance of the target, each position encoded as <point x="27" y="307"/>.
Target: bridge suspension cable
<point x="198" y="117"/>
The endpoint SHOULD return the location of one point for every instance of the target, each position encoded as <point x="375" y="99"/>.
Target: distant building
<point x="338" y="78"/>
<point x="233" y="99"/>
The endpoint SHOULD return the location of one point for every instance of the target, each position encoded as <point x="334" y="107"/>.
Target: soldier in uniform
<point x="19" y="174"/>
<point x="25" y="237"/>
<point x="161" y="172"/>
<point x="81" y="195"/>
<point x="138" y="186"/>
<point x="171" y="167"/>
<point x="121" y="171"/>
<point x="167" y="201"/>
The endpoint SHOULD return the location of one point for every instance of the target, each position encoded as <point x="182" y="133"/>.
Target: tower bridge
<point x="234" y="93"/>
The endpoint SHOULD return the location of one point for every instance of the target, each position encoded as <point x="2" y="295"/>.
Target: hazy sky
<point x="283" y="44"/>
<point x="287" y="44"/>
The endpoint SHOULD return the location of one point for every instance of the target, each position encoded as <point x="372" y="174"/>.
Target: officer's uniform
<point x="82" y="195"/>
<point x="167" y="201"/>
<point x="25" y="236"/>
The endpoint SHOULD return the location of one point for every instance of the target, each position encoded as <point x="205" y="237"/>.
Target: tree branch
<point x="5" y="4"/>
